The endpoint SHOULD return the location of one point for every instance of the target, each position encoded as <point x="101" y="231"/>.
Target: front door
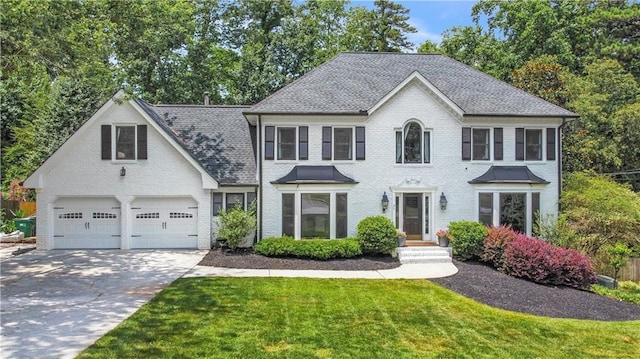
<point x="412" y="215"/>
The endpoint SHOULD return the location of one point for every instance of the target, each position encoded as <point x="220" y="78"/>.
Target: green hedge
<point x="467" y="239"/>
<point x="377" y="235"/>
<point x="322" y="249"/>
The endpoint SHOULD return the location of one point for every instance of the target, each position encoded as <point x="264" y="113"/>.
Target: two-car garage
<point x="102" y="223"/>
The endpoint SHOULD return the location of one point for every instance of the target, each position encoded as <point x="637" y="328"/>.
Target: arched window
<point x="413" y="144"/>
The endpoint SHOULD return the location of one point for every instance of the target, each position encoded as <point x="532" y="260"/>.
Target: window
<point x="251" y="197"/>
<point x="485" y="210"/>
<point x="531" y="142"/>
<point x="125" y="142"/>
<point x="128" y="142"/>
<point x="286" y="143"/>
<point x="519" y="210"/>
<point x="341" y="215"/>
<point x="337" y="143"/>
<point x="481" y="147"/>
<point x="315" y="219"/>
<point x="217" y="203"/>
<point x="413" y="145"/>
<point x="533" y="145"/>
<point x="234" y="199"/>
<point x="513" y="209"/>
<point x="342" y="143"/>
<point x="288" y="214"/>
<point x="315" y="215"/>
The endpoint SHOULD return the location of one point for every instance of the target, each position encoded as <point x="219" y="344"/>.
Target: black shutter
<point x="497" y="144"/>
<point x="106" y="142"/>
<point x="519" y="144"/>
<point x="326" y="143"/>
<point x="269" y="138"/>
<point x="551" y="144"/>
<point x="142" y="142"/>
<point x="466" y="143"/>
<point x="303" y="142"/>
<point x="360" y="144"/>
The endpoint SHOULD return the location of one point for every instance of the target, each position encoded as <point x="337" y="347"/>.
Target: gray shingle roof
<point x="351" y="83"/>
<point x="219" y="138"/>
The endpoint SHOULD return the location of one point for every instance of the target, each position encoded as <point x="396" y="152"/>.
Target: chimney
<point x="206" y="98"/>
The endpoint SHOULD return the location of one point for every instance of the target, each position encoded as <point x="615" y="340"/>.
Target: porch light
<point x="443" y="201"/>
<point x="385" y="202"/>
<point x="123" y="172"/>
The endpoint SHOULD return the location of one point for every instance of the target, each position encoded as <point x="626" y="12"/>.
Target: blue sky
<point x="432" y="17"/>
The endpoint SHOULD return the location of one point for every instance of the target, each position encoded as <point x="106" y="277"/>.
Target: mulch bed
<point x="485" y="284"/>
<point x="474" y="280"/>
<point x="248" y="260"/>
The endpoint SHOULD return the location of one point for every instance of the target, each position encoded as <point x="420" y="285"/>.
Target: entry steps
<point x="424" y="255"/>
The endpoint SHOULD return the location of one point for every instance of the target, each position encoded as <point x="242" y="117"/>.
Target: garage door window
<point x="70" y="216"/>
<point x="154" y="215"/>
<point x="175" y="215"/>
<point x="104" y="215"/>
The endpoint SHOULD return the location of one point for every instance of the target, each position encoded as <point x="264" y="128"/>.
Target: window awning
<point x="314" y="175"/>
<point x="509" y="174"/>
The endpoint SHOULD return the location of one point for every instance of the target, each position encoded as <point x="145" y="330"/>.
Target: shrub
<point x="377" y="235"/>
<point x="544" y="263"/>
<point x="467" y="239"/>
<point x="618" y="257"/>
<point x="236" y="224"/>
<point x="495" y="243"/>
<point x="322" y="249"/>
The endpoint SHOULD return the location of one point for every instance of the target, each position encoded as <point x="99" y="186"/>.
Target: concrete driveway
<point x="54" y="304"/>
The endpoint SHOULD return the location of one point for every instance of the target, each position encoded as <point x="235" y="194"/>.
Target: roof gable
<point x="36" y="180"/>
<point x="354" y="83"/>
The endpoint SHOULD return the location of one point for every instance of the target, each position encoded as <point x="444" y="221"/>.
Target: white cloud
<point x="423" y="34"/>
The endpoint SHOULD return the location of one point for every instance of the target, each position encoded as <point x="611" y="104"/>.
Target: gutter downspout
<point x="564" y="122"/>
<point x="259" y="161"/>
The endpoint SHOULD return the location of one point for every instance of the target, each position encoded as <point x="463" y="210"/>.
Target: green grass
<point x="627" y="291"/>
<point x="340" y="318"/>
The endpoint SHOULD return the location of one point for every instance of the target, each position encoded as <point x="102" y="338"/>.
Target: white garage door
<point x="164" y="223"/>
<point x="81" y="223"/>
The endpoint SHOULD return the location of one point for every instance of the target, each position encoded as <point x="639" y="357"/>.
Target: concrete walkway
<point x="405" y="271"/>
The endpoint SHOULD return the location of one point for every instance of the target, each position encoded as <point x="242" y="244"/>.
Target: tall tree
<point x="382" y="29"/>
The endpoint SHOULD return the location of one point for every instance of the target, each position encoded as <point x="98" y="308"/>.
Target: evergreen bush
<point x="322" y="249"/>
<point x="467" y="239"/>
<point x="377" y="235"/>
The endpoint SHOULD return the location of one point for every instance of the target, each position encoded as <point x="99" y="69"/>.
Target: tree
<point x="543" y="77"/>
<point x="428" y="47"/>
<point x="618" y="257"/>
<point x="606" y="137"/>
<point x="382" y="29"/>
<point x="601" y="212"/>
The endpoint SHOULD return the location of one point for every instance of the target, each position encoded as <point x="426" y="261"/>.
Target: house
<point x="439" y="140"/>
<point x="142" y="176"/>
<point x="420" y="138"/>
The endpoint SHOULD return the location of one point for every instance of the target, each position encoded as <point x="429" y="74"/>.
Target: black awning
<point x="509" y="174"/>
<point x="314" y="174"/>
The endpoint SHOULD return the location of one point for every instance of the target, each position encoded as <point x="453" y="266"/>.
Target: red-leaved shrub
<point x="541" y="262"/>
<point x="495" y="243"/>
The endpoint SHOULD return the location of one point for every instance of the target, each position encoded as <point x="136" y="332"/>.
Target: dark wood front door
<point x="412" y="221"/>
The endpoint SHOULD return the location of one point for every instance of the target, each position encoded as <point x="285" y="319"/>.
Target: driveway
<point x="54" y="304"/>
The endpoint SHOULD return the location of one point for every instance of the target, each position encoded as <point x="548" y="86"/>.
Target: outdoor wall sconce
<point x="443" y="201"/>
<point x="123" y="172"/>
<point x="385" y="202"/>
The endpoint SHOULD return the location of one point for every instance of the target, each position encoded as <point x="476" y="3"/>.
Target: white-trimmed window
<point x="517" y="209"/>
<point x="229" y="200"/>
<point x="315" y="215"/>
<point x="481" y="144"/>
<point x="343" y="143"/>
<point x="124" y="142"/>
<point x="535" y="144"/>
<point x="413" y="144"/>
<point x="286" y="143"/>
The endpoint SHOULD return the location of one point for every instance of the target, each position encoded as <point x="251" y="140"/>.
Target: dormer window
<point x="413" y="145"/>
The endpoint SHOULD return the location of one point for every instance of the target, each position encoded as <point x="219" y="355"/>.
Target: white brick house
<point x="142" y="176"/>
<point x="414" y="129"/>
<point x="318" y="155"/>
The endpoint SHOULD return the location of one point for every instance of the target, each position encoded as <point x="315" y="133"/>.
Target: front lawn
<point x="346" y="318"/>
